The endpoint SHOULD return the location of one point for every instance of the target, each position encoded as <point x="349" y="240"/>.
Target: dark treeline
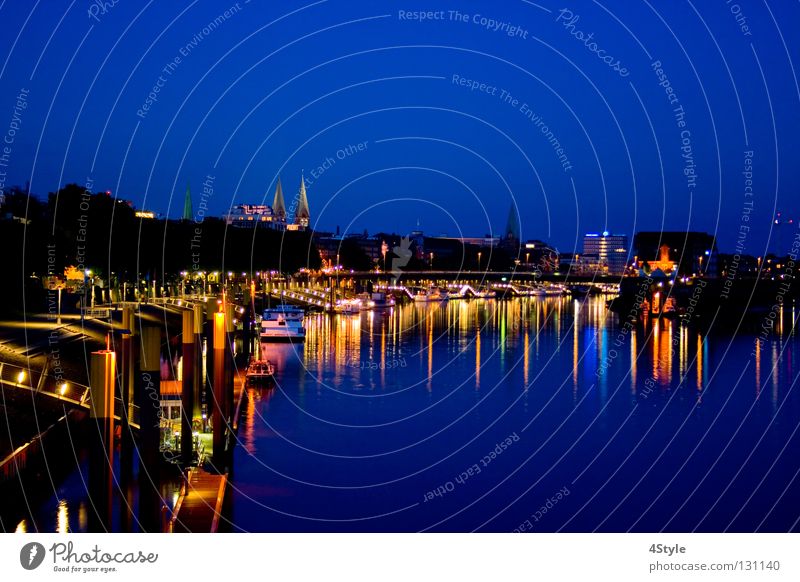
<point x="98" y="232"/>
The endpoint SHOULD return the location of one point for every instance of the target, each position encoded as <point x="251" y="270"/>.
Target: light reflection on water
<point x="343" y="418"/>
<point x="376" y="409"/>
<point x="348" y="344"/>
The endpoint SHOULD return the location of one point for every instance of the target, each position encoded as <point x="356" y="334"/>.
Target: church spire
<point x="512" y="226"/>
<point x="279" y="207"/>
<point x="302" y="215"/>
<point x="187" y="204"/>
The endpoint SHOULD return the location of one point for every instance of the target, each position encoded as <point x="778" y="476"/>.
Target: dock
<point x="199" y="505"/>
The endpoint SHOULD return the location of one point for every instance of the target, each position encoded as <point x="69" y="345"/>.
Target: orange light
<point x="219" y="331"/>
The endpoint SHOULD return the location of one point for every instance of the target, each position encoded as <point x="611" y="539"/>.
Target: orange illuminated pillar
<point x="198" y="360"/>
<point x="127" y="371"/>
<point x="101" y="386"/>
<point x="230" y="331"/>
<point x="210" y="309"/>
<point x="187" y="386"/>
<point x="219" y="398"/>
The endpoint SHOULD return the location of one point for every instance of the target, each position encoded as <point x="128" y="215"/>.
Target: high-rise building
<point x="609" y="252"/>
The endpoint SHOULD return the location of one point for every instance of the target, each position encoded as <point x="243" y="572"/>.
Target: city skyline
<point x="410" y="143"/>
<point x="239" y="212"/>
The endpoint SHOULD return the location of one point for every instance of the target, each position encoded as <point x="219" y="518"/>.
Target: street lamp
<point x="431" y="261"/>
<point x="479" y="260"/>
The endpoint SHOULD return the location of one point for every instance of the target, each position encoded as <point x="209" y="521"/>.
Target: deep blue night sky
<point x="277" y="88"/>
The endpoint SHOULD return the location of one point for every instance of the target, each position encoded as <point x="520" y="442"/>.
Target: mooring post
<point x="198" y="361"/>
<point x="148" y="397"/>
<point x="187" y="386"/>
<point x="211" y="308"/>
<point x="127" y="370"/>
<point x="230" y="330"/>
<point x="247" y="302"/>
<point x="103" y="375"/>
<point x="218" y="400"/>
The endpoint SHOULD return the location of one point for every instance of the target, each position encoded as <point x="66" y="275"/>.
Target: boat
<point x="582" y="290"/>
<point x="283" y="323"/>
<point x="431" y="294"/>
<point x="554" y="290"/>
<point x="378" y="300"/>
<point x="259" y="371"/>
<point x="348" y="306"/>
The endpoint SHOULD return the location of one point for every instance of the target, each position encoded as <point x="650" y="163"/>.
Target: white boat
<point x="283" y="323"/>
<point x="348" y="306"/>
<point x="554" y="290"/>
<point x="431" y="294"/>
<point x="377" y="300"/>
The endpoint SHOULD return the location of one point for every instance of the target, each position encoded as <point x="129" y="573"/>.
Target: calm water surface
<point x="532" y="413"/>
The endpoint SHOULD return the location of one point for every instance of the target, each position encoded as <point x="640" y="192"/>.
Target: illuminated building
<point x="275" y="216"/>
<point x="537" y="253"/>
<point x="679" y="253"/>
<point x="606" y="253"/>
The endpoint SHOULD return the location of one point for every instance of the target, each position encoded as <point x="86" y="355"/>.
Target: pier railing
<point x="55" y="387"/>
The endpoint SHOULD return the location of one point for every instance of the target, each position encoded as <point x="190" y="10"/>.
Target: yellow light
<point x="62" y="517"/>
<point x="20" y="377"/>
<point x="63" y="389"/>
<point x="219" y="331"/>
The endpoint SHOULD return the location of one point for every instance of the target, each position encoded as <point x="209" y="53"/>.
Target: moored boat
<point x="259" y="371"/>
<point x="431" y="294"/>
<point x="283" y="323"/>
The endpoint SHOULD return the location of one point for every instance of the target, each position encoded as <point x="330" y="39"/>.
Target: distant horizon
<point x="433" y="234"/>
